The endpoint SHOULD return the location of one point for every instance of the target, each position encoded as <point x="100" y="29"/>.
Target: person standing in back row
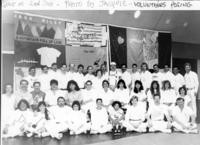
<point x="192" y="85"/>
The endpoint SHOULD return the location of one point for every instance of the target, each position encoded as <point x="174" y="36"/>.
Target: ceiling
<point x="153" y="20"/>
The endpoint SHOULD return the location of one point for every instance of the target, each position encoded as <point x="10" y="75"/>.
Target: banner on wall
<point x="38" y="40"/>
<point x="86" y="43"/>
<point x="129" y="46"/>
<point x="82" y="34"/>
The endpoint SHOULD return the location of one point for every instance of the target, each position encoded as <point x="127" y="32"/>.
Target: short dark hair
<point x="72" y="82"/>
<point x="99" y="99"/>
<point x="23" y="80"/>
<point x="105" y="81"/>
<point x="98" y="70"/>
<point x="187" y="64"/>
<point x="32" y="67"/>
<point x="152" y="89"/>
<point x="54" y="64"/>
<point x="144" y="63"/>
<point x="43" y="66"/>
<point x="80" y="65"/>
<point x="60" y="98"/>
<point x="134" y="64"/>
<point x="23" y="101"/>
<point x="180" y="98"/>
<point x="36" y="83"/>
<point x="53" y="81"/>
<point x="123" y="82"/>
<point x="117" y="102"/>
<point x="76" y="103"/>
<point x="155" y="65"/>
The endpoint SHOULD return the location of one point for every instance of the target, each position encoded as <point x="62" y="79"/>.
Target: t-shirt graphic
<point x="19" y="28"/>
<point x="48" y="55"/>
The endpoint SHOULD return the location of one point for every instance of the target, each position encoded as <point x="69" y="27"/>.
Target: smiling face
<point x="24" y="85"/>
<point x="42" y="108"/>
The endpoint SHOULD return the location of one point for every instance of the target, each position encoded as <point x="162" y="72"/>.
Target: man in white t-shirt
<point x="157" y="75"/>
<point x="145" y="76"/>
<point x="114" y="75"/>
<point x="63" y="77"/>
<point x="79" y="77"/>
<point x="192" y="85"/>
<point x="44" y="78"/>
<point x="48" y="55"/>
<point x="178" y="80"/>
<point x="31" y="78"/>
<point x="126" y="76"/>
<point x="168" y="75"/>
<point x="135" y="75"/>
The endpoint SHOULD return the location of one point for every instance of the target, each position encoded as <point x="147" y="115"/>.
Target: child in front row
<point x="116" y="117"/>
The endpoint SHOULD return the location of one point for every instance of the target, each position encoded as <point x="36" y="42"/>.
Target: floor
<point x="109" y="139"/>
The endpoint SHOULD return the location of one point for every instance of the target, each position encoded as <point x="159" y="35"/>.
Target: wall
<point x="185" y="50"/>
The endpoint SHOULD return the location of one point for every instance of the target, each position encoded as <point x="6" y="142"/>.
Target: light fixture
<point x="185" y="24"/>
<point x="111" y="12"/>
<point x="137" y="14"/>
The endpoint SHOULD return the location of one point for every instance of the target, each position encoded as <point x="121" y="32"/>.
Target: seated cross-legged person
<point x="135" y="116"/>
<point x="183" y="117"/>
<point x="156" y="114"/>
<point x="78" y="120"/>
<point x="99" y="118"/>
<point x="59" y="122"/>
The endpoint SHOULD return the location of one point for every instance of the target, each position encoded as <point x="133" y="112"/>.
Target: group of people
<point x="68" y="100"/>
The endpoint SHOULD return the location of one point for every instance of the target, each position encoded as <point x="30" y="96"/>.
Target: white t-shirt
<point x="48" y="55"/>
<point x="134" y="76"/>
<point x="157" y="112"/>
<point x="126" y="76"/>
<point x="107" y="97"/>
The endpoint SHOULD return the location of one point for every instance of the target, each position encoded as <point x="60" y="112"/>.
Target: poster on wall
<point x="129" y="46"/>
<point x="38" y="40"/>
<point x="86" y="43"/>
<point x="82" y="34"/>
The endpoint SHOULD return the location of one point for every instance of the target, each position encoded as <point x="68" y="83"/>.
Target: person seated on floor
<point x="135" y="116"/>
<point x="183" y="117"/>
<point x="78" y="120"/>
<point x="156" y="115"/>
<point x="19" y="121"/>
<point x="99" y="118"/>
<point x="59" y="123"/>
<point x="116" y="117"/>
<point x="36" y="122"/>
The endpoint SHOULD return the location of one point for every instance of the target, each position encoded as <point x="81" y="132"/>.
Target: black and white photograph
<point x="99" y="77"/>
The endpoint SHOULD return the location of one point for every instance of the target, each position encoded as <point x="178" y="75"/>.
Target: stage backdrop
<point x="86" y="43"/>
<point x="128" y="46"/>
<point x="38" y="40"/>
